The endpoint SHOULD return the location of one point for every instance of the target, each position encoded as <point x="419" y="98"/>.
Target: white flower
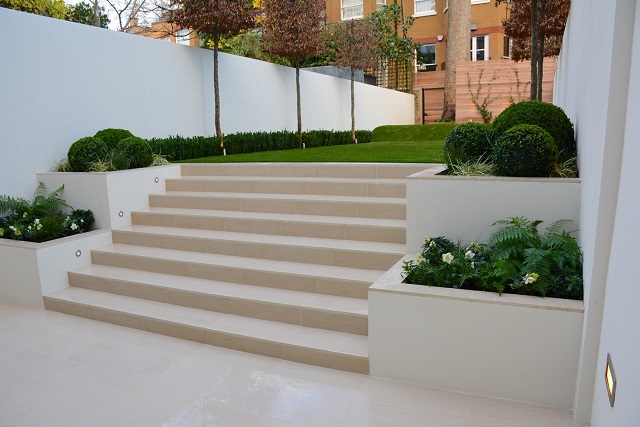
<point x="73" y="226"/>
<point x="24" y="215"/>
<point x="469" y="254"/>
<point x="39" y="227"/>
<point x="29" y="228"/>
<point x="419" y="258"/>
<point x="426" y="240"/>
<point x="36" y="221"/>
<point x="447" y="257"/>
<point x="82" y="220"/>
<point x="12" y="228"/>
<point x="530" y="278"/>
<point x="432" y="244"/>
<point x="473" y="265"/>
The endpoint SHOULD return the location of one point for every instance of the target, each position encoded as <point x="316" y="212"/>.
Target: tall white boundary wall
<point x="60" y="81"/>
<point x="600" y="95"/>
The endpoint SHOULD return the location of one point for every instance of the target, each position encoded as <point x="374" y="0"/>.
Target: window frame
<point x="342" y="8"/>
<point x="380" y="4"/>
<point x="426" y="66"/>
<point x="474" y="49"/>
<point x="426" y="13"/>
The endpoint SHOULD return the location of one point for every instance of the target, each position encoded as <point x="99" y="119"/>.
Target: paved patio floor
<point x="59" y="370"/>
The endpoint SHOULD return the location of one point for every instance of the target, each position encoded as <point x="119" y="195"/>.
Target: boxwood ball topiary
<point x="112" y="137"/>
<point x="85" y="151"/>
<point x="469" y="140"/>
<point x="548" y="116"/>
<point x="524" y="150"/>
<point x="136" y="150"/>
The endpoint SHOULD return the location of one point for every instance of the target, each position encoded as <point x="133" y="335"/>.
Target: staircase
<point x="272" y="259"/>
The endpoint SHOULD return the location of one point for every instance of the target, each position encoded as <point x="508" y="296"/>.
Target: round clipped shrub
<point x="467" y="141"/>
<point x="131" y="153"/>
<point x="85" y="151"/>
<point x="112" y="137"/>
<point x="548" y="116"/>
<point x="524" y="150"/>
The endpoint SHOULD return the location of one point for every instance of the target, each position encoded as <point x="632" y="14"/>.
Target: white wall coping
<point x="433" y="173"/>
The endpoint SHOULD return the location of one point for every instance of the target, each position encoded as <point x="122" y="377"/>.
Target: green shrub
<point x="177" y="148"/>
<point x="467" y="142"/>
<point x="112" y="137"/>
<point x="132" y="153"/>
<point x="85" y="151"/>
<point x="548" y="116"/>
<point x="524" y="150"/>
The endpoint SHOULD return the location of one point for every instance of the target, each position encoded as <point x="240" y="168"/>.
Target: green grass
<point x="390" y="144"/>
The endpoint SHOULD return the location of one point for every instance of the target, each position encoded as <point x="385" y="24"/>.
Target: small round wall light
<point x="120" y="214"/>
<point x="78" y="252"/>
<point x="156" y="180"/>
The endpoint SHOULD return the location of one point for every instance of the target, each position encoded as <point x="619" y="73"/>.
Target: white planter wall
<point x="511" y="346"/>
<point x="29" y="270"/>
<point x="462" y="207"/>
<point x="60" y="81"/>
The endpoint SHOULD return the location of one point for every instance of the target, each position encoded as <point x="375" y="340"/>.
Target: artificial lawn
<point x="389" y="144"/>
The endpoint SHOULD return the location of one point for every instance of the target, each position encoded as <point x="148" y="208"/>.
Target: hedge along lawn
<point x="389" y="144"/>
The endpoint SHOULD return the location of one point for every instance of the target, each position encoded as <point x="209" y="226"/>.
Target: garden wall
<point x="60" y="81"/>
<point x="599" y="93"/>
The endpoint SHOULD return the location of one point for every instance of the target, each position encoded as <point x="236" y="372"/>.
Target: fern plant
<point x="515" y="259"/>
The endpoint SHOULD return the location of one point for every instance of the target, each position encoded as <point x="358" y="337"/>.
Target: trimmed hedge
<point x="178" y="148"/>
<point x="524" y="150"/>
<point x="132" y="153"/>
<point x="85" y="151"/>
<point x="467" y="141"/>
<point x="112" y="137"/>
<point x="548" y="116"/>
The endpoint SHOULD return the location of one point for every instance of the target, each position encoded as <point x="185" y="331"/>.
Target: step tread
<point x="309" y="219"/>
<point x="280" y="196"/>
<point x="316" y="242"/>
<point x="327" y="303"/>
<point x="290" y="179"/>
<point x="255" y="264"/>
<point x="298" y="336"/>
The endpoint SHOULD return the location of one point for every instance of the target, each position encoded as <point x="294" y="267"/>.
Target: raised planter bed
<point x="514" y="347"/>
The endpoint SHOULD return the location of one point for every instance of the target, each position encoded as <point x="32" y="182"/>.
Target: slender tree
<point x="354" y="48"/>
<point x="458" y="32"/>
<point x="535" y="42"/>
<point x="293" y="29"/>
<point x="216" y="18"/>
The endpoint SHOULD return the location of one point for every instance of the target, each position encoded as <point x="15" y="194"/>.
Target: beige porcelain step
<point x="322" y="279"/>
<point x="344" y="253"/>
<point x="325" y="170"/>
<point x="300" y="204"/>
<point x="350" y="228"/>
<point x="279" y="305"/>
<point x="319" y="347"/>
<point x="291" y="185"/>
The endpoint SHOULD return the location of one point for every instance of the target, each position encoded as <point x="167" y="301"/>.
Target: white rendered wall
<point x="620" y="336"/>
<point x="60" y="81"/>
<point x="593" y="90"/>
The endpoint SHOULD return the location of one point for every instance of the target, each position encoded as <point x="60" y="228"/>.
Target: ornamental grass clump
<point x="516" y="259"/>
<point x="46" y="217"/>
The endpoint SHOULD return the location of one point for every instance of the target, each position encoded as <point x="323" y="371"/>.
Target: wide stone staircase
<point x="272" y="259"/>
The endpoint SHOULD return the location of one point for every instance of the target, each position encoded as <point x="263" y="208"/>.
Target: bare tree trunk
<point x="458" y="32"/>
<point x="540" y="63"/>
<point x="216" y="86"/>
<point x="95" y="18"/>
<point x="353" y="104"/>
<point x="534" y="50"/>
<point x="298" y="101"/>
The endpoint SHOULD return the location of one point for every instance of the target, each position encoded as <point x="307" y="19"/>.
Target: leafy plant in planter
<point x="515" y="259"/>
<point x="46" y="217"/>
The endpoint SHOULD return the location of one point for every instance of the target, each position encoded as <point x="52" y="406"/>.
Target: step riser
<point x="247" y="344"/>
<point x="308" y="254"/>
<point x="312" y="284"/>
<point x="273" y="227"/>
<point x="344" y="170"/>
<point x="294" y="315"/>
<point x="290" y="187"/>
<point x="299" y="207"/>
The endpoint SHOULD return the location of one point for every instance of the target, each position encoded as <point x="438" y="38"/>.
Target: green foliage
<point x="132" y="153"/>
<point x="515" y="259"/>
<point x="112" y="137"/>
<point x="402" y="133"/>
<point x="52" y="8"/>
<point x="467" y="142"/>
<point x="247" y="44"/>
<point x="548" y="116"/>
<point x="483" y="106"/>
<point x="482" y="166"/>
<point x="524" y="150"/>
<point x="85" y="151"/>
<point x="44" y="218"/>
<point x="83" y="13"/>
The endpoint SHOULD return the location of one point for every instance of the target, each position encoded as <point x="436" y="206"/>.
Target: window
<point x="380" y="4"/>
<point x="352" y="9"/>
<point x="426" y="57"/>
<point x="506" y="52"/>
<point x="182" y="37"/>
<point x="479" y="1"/>
<point x="480" y="48"/>
<point x="425" y="7"/>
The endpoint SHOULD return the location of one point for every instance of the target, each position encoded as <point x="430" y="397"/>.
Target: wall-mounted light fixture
<point x="610" y="379"/>
<point x="440" y="38"/>
<point x="120" y="214"/>
<point x="156" y="180"/>
<point x="474" y="27"/>
<point x="78" y="252"/>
